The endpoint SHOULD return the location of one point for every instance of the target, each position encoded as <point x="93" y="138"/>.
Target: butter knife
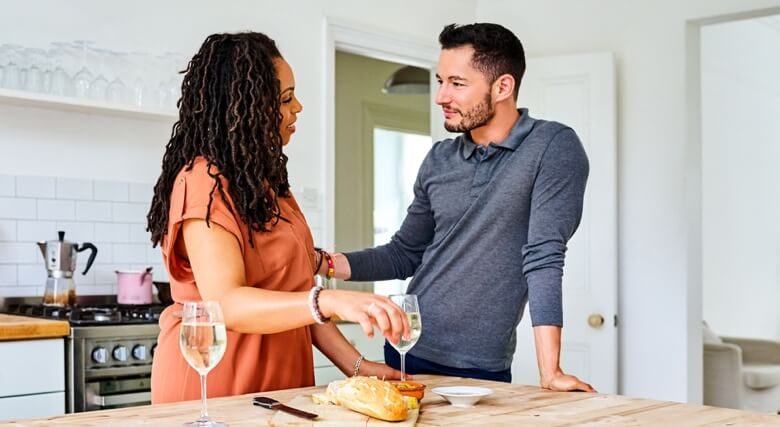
<point x="267" y="402"/>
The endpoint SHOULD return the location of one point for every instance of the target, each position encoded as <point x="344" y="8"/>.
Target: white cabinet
<point x="32" y="378"/>
<point x="325" y="371"/>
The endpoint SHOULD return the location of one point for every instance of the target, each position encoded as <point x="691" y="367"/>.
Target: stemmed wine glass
<point x="202" y="341"/>
<point x="408" y="304"/>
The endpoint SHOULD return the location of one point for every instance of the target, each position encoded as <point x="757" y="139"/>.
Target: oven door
<point x="117" y="393"/>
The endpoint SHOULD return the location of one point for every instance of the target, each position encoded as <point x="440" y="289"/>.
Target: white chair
<point x="741" y="373"/>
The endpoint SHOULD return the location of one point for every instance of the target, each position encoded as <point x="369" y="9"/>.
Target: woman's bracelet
<point x="318" y="251"/>
<point x="358" y="362"/>
<point x="331" y="265"/>
<point x="314" y="306"/>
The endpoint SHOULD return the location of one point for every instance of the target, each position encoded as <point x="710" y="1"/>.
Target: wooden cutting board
<point x="334" y="415"/>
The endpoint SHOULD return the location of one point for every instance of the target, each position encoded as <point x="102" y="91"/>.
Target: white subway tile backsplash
<point x="110" y="232"/>
<point x="77" y="231"/>
<point x="18" y="208"/>
<point x="132" y="252"/>
<point x="104" y="273"/>
<point x="35" y="186"/>
<point x="112" y="191"/>
<point x="7" y="185"/>
<point x="112" y="215"/>
<point x="93" y="211"/>
<point x="130" y="212"/>
<point x="18" y="253"/>
<point x="141" y="193"/>
<point x="8" y="275"/>
<point x="138" y="234"/>
<point x="34" y="231"/>
<point x="32" y="274"/>
<point x="76" y="189"/>
<point x="7" y="230"/>
<point x="101" y="289"/>
<point x="56" y="209"/>
<point x="154" y="255"/>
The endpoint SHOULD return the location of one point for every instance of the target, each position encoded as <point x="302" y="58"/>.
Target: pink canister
<point x="134" y="287"/>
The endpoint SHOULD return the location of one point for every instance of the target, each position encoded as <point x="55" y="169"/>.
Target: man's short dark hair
<point x="497" y="50"/>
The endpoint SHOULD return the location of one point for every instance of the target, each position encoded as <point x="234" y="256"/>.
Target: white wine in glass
<point x="408" y="304"/>
<point x="202" y="341"/>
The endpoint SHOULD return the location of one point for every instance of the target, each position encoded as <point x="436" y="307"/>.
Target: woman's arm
<point x="332" y="343"/>
<point x="218" y="267"/>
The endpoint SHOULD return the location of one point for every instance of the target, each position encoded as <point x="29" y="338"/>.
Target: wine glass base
<point x="204" y="423"/>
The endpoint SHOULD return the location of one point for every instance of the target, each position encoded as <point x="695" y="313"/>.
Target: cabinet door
<point x="32" y="366"/>
<point x="34" y="405"/>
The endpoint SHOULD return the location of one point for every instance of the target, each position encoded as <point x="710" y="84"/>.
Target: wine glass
<point x="202" y="341"/>
<point x="408" y="304"/>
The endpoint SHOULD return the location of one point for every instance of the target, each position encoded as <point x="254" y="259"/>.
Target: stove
<point x="108" y="354"/>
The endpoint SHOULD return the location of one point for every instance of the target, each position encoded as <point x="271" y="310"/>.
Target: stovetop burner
<point x="110" y="314"/>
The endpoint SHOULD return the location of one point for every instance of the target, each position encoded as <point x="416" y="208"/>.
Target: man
<point x="493" y="210"/>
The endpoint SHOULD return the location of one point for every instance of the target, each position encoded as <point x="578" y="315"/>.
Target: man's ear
<point x="503" y="87"/>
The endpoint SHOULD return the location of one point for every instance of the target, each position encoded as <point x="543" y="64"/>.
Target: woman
<point x="231" y="231"/>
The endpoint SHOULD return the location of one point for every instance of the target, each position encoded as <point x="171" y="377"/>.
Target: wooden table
<point x="14" y="327"/>
<point x="510" y="405"/>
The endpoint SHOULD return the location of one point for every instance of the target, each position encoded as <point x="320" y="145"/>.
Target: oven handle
<point x="121" y="399"/>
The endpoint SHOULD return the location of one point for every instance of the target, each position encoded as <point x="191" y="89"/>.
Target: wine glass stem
<point x="204" y="412"/>
<point x="403" y="366"/>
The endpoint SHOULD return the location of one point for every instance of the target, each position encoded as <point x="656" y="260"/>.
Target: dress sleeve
<point x="190" y="200"/>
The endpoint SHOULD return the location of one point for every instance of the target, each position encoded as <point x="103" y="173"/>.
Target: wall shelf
<point x="79" y="105"/>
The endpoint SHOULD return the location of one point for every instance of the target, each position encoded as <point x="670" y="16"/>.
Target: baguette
<point x="369" y="396"/>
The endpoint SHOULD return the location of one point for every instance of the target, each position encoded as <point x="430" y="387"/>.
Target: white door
<point x="580" y="91"/>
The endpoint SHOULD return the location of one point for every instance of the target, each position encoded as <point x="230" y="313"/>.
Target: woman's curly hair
<point x="229" y="114"/>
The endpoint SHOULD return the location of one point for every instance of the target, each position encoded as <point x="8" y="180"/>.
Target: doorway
<point x="740" y="203"/>
<point x="381" y="139"/>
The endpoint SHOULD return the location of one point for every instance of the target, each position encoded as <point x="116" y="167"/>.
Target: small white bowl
<point x="462" y="396"/>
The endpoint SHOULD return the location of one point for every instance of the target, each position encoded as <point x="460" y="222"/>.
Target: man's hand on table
<point x="564" y="382"/>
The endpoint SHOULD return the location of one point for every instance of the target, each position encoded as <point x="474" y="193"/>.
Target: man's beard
<point x="473" y="118"/>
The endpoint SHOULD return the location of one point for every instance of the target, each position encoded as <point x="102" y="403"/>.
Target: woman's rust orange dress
<point x="281" y="260"/>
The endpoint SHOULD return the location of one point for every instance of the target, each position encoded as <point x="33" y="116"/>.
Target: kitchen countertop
<point x="510" y="405"/>
<point x="13" y="327"/>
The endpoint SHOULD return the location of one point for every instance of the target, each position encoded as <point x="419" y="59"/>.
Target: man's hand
<point x="565" y="382"/>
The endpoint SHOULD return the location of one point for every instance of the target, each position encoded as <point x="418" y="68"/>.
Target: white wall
<point x="741" y="200"/>
<point x="658" y="311"/>
<point x="49" y="143"/>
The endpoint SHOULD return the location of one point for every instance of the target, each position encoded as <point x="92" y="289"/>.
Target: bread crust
<point x="369" y="396"/>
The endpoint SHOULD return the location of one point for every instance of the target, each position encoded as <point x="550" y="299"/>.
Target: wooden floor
<point x="510" y="405"/>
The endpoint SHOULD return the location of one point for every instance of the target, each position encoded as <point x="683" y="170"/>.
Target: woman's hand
<point x="380" y="370"/>
<point x="368" y="310"/>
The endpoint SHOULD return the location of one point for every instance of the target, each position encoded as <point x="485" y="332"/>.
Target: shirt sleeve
<point x="556" y="210"/>
<point x="401" y="257"/>
<point x="190" y="199"/>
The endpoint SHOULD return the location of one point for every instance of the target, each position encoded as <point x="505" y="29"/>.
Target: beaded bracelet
<point x="358" y="362"/>
<point x="314" y="306"/>
<point x="331" y="265"/>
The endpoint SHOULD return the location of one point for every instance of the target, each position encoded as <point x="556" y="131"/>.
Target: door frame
<point x="352" y="38"/>
<point x="693" y="191"/>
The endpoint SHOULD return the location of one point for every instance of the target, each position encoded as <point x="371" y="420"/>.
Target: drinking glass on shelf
<point x="202" y="341"/>
<point x="83" y="78"/>
<point x="60" y="76"/>
<point x="12" y="71"/>
<point x="409" y="305"/>
<point x="98" y="88"/>
<point x="117" y="90"/>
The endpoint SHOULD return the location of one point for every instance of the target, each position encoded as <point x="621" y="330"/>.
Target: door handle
<point x="595" y="320"/>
